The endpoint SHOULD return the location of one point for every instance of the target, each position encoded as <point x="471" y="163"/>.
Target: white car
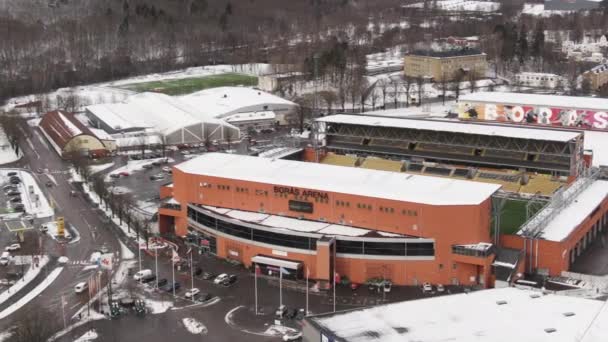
<point x="166" y="169"/>
<point x="13" y="247"/>
<point x="440" y="288"/>
<point x="28" y="217"/>
<point x="80" y="287"/>
<point x="220" y="278"/>
<point x="292" y="336"/>
<point x="427" y="287"/>
<point x="192" y="292"/>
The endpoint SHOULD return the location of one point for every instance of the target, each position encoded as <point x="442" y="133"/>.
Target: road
<point x="76" y="211"/>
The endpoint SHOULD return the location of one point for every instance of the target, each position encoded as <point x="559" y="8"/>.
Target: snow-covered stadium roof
<point x="346" y="180"/>
<point x="454" y="127"/>
<point x="589" y="103"/>
<point x="569" y="218"/>
<point x="224" y="101"/>
<point x="495" y="315"/>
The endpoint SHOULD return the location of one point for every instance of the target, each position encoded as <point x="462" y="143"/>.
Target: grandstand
<point x="525" y="149"/>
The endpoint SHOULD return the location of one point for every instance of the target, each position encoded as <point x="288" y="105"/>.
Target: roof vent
<point x="569" y="314"/>
<point x="550" y="330"/>
<point x="501" y="302"/>
<point x="535" y="295"/>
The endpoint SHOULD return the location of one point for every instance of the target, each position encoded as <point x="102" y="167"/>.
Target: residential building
<point x="437" y="65"/>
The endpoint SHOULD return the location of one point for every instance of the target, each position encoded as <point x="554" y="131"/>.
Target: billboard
<point x="525" y="114"/>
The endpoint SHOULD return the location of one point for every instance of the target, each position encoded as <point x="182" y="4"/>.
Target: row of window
<point x="387" y="248"/>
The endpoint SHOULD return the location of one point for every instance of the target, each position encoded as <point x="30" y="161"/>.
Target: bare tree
<point x="443" y="86"/>
<point x="408" y="81"/>
<point x="383" y="85"/>
<point x="142" y="142"/>
<point x="329" y="97"/>
<point x="34" y="325"/>
<point x="420" y="85"/>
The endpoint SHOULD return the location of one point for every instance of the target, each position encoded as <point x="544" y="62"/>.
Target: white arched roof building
<point x="173" y="119"/>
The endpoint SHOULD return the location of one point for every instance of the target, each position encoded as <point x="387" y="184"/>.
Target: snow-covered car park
<point x="21" y="196"/>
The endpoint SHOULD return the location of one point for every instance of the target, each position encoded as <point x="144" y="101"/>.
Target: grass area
<point x="514" y="216"/>
<point x="190" y="85"/>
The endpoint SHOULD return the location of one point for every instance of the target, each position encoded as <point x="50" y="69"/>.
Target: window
<point x="454" y="265"/>
<point x="420" y="249"/>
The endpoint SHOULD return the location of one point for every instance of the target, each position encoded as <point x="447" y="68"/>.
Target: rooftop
<point x="569" y="218"/>
<point x="223" y="101"/>
<point x="61" y="127"/>
<point x="496" y="315"/>
<point x="591" y="103"/>
<point x="447" y="52"/>
<point x="347" y="180"/>
<point x="455" y="127"/>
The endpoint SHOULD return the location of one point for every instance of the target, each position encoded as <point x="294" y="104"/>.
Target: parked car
<point x="115" y="175"/>
<point x="19" y="207"/>
<point x="281" y="311"/>
<point x="147" y="166"/>
<point x="148" y="279"/>
<point x="440" y="288"/>
<point x="301" y="314"/>
<point x="9" y="187"/>
<point x="104" y="249"/>
<point x="12" y="173"/>
<point x="15" y="199"/>
<point x="28" y="218"/>
<point x="220" y="278"/>
<point x="198" y="271"/>
<point x="13" y="247"/>
<point x="136" y="157"/>
<point x="175" y="286"/>
<point x="48" y="184"/>
<point x="184" y="152"/>
<point x="44" y="228"/>
<point x="292" y="336"/>
<point x="230" y="280"/>
<point x="13" y="193"/>
<point x="207" y="275"/>
<point x="141" y="274"/>
<point x="387" y="286"/>
<point x="157" y="176"/>
<point x="167" y="169"/>
<point x="124" y="173"/>
<point x="80" y="287"/>
<point x="203" y="297"/>
<point x="162" y="282"/>
<point x="427" y="287"/>
<point x="5" y="258"/>
<point x="15" y="181"/>
<point x="291" y="313"/>
<point x="192" y="292"/>
<point x="354" y="286"/>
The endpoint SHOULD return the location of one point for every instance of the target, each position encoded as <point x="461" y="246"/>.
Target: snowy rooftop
<point x="222" y="101"/>
<point x="574" y="214"/>
<point x="101" y="134"/>
<point x="454" y="127"/>
<point x="590" y="103"/>
<point x="241" y="117"/>
<point x="297" y="225"/>
<point x="347" y="180"/>
<point x="476" y="316"/>
<point x="597" y="141"/>
<point x="146" y="110"/>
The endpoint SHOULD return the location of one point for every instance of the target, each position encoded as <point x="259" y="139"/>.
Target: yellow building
<point x="597" y="76"/>
<point x="439" y="64"/>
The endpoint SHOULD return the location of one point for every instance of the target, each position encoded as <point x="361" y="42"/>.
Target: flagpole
<point x="191" y="275"/>
<point x="173" y="272"/>
<point x="334" y="275"/>
<point x="280" y="286"/>
<point x="63" y="311"/>
<point x="255" y="277"/>
<point x="307" y="271"/>
<point x="156" y="264"/>
<point x="139" y="251"/>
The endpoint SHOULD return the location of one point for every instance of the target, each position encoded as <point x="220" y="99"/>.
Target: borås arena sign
<point x="561" y="117"/>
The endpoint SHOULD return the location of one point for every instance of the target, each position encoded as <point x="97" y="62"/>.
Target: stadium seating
<point x="546" y="158"/>
<point x="382" y="164"/>
<point x="338" y="159"/>
<point x="542" y="184"/>
<point x="415" y="168"/>
<point x="437" y="171"/>
<point x="504" y="154"/>
<point x="462" y="173"/>
<point x="444" y="149"/>
<point x="346" y="140"/>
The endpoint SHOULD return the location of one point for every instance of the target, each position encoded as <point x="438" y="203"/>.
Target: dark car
<point x="12" y="173"/>
<point x="175" y="286"/>
<point x="136" y="157"/>
<point x="291" y="313"/>
<point x="147" y="166"/>
<point x="148" y="279"/>
<point x="208" y="275"/>
<point x="162" y="282"/>
<point x="203" y="297"/>
<point x="19" y="207"/>
<point x="198" y="271"/>
<point x="157" y="177"/>
<point x="16" y="200"/>
<point x="230" y="280"/>
<point x="301" y="314"/>
<point x="13" y="193"/>
<point x="15" y="180"/>
<point x="115" y="175"/>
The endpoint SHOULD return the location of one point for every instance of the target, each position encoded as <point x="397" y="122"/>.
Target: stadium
<point x="409" y="200"/>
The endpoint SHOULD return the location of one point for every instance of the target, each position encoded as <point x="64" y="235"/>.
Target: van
<point x="5" y="258"/>
<point x="142" y="274"/>
<point x="80" y="287"/>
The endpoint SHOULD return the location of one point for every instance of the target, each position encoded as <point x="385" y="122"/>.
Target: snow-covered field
<point x="32" y="294"/>
<point x="33" y="199"/>
<point x="193" y="326"/>
<point x="7" y="154"/>
<point x="31" y="273"/>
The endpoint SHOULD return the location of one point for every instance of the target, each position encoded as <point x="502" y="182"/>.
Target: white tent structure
<point x="175" y="121"/>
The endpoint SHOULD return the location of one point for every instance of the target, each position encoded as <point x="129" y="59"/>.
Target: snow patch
<point x="31" y="273"/>
<point x="101" y="167"/>
<point x="193" y="326"/>
<point x="32" y="294"/>
<point x="88" y="336"/>
<point x="157" y="306"/>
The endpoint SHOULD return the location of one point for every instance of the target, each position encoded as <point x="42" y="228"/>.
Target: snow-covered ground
<point x="461" y="5"/>
<point x="99" y="168"/>
<point x="158" y="306"/>
<point x="5" y="336"/>
<point x="33" y="199"/>
<point x="88" y="336"/>
<point x="125" y="252"/>
<point x="7" y="154"/>
<point x="31" y="273"/>
<point x="278" y="330"/>
<point x="193" y="326"/>
<point x="51" y="227"/>
<point x="32" y="294"/>
<point x="109" y="92"/>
